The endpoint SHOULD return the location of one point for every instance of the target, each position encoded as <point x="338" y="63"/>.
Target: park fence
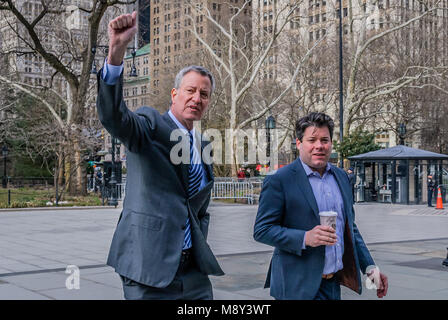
<point x="31" y="182"/>
<point x="17" y="197"/>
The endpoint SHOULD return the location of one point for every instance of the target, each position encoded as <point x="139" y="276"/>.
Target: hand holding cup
<point x="323" y="234"/>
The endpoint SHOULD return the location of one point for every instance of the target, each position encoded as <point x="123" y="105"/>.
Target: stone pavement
<point x="409" y="244"/>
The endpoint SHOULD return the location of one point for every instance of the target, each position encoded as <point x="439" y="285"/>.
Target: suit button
<point x="184" y="227"/>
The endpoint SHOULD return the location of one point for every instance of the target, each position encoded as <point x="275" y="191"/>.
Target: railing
<point x="106" y="192"/>
<point x="121" y="187"/>
<point x="233" y="188"/>
<point x="19" y="182"/>
<point x="223" y="188"/>
<point x="96" y="185"/>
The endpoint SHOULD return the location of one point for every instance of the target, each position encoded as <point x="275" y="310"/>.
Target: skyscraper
<point x="173" y="44"/>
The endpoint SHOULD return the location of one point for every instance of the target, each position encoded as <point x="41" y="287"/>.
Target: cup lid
<point x="328" y="213"/>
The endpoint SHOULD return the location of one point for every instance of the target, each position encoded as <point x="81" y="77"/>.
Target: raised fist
<point x="121" y="31"/>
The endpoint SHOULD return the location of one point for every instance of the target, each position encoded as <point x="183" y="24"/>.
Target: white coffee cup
<point x="328" y="218"/>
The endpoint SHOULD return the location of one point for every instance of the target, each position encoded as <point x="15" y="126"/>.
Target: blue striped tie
<point x="195" y="174"/>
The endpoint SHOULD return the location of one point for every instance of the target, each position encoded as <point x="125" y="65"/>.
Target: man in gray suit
<point x="159" y="248"/>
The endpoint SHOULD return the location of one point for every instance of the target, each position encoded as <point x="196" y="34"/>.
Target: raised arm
<point x="133" y="130"/>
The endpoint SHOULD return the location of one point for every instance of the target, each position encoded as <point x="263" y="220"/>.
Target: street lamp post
<point x="133" y="72"/>
<point x="5" y="178"/>
<point x="118" y="172"/>
<point x="402" y="133"/>
<point x="94" y="70"/>
<point x="294" y="149"/>
<point x="113" y="180"/>
<point x="341" y="87"/>
<point x="270" y="124"/>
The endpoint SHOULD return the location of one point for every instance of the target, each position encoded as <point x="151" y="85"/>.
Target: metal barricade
<point x="121" y="187"/>
<point x="223" y="188"/>
<point x="257" y="184"/>
<point x="233" y="190"/>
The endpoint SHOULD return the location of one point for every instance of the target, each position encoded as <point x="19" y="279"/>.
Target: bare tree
<point x="67" y="47"/>
<point x="238" y="57"/>
<point x="374" y="70"/>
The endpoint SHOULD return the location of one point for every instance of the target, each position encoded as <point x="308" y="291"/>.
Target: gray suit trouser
<point x="188" y="284"/>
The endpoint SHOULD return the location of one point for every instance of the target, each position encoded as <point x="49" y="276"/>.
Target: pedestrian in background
<point x="352" y="180"/>
<point x="431" y="187"/>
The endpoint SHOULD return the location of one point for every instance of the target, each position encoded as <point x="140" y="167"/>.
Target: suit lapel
<point x="208" y="167"/>
<point x="182" y="168"/>
<point x="305" y="187"/>
<point x="344" y="190"/>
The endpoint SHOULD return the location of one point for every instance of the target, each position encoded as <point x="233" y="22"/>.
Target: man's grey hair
<point x="201" y="70"/>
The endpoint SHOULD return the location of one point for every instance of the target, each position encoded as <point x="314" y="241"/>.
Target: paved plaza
<point x="408" y="243"/>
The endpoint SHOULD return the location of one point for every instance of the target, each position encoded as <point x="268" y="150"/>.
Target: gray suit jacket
<point x="147" y="243"/>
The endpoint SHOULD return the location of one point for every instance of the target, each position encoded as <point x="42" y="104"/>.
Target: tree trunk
<point x="68" y="174"/>
<point x="80" y="173"/>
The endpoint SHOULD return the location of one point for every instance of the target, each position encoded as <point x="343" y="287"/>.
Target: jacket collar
<point x="305" y="186"/>
<point x="175" y="124"/>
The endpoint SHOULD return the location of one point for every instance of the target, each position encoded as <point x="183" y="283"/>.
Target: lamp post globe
<point x="402" y="133"/>
<point x="270" y="123"/>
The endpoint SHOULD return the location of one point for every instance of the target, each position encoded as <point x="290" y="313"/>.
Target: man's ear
<point x="173" y="93"/>
<point x="298" y="143"/>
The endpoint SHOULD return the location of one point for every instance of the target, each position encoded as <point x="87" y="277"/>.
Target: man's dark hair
<point x="314" y="119"/>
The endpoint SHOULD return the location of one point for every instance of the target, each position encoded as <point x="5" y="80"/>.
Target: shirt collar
<point x="180" y="124"/>
<point x="310" y="172"/>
